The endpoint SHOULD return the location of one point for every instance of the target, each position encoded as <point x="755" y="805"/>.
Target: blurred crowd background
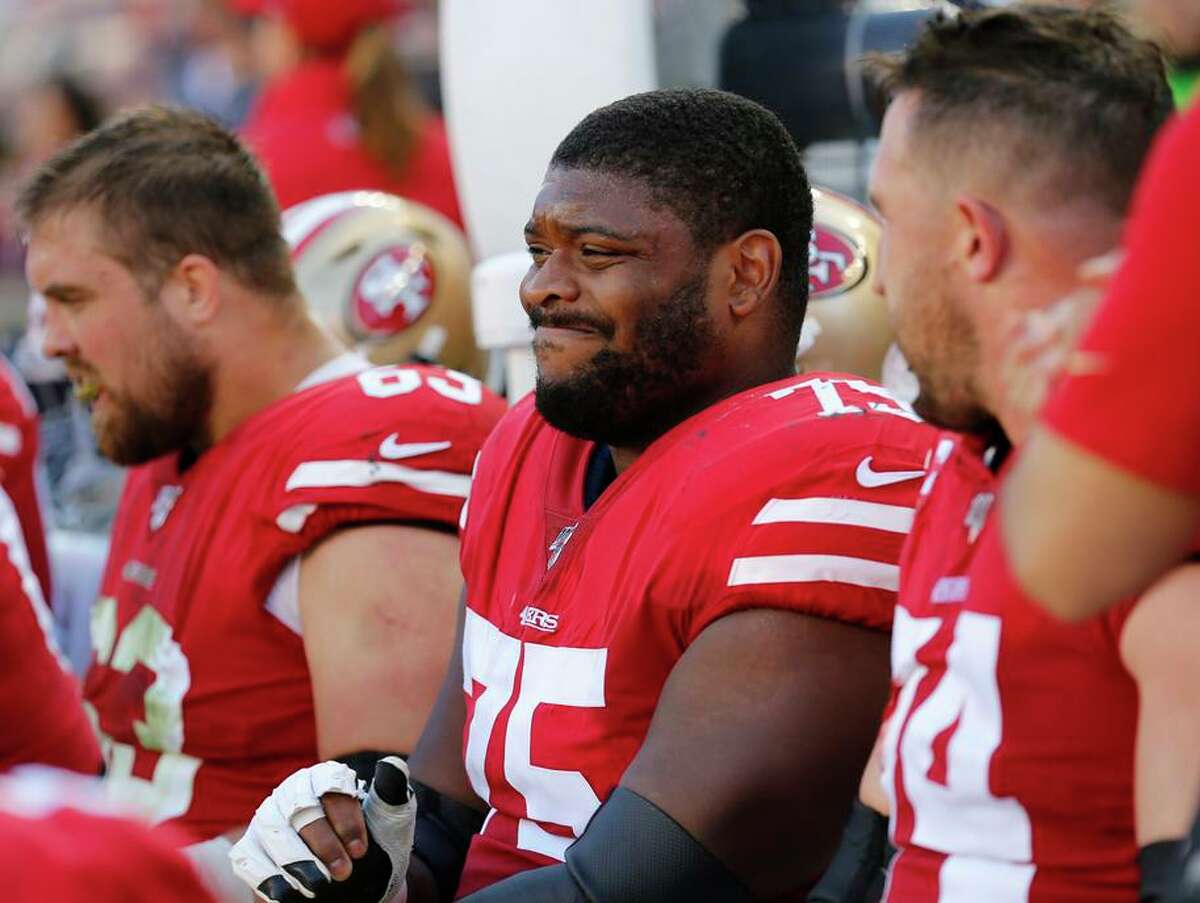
<point x="65" y="64"/>
<point x="341" y="94"/>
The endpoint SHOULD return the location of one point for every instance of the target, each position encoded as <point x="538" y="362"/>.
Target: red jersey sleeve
<point x="18" y="466"/>
<point x="417" y="431"/>
<point x="489" y="470"/>
<point x="820" y="533"/>
<point x="40" y="701"/>
<point x="73" y="857"/>
<point x="1147" y="331"/>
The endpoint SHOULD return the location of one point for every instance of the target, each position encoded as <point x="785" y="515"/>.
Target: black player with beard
<point x="628" y="397"/>
<point x="632" y="333"/>
<point x="668" y="280"/>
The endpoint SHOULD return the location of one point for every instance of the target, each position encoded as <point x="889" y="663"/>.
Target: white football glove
<point x="276" y="863"/>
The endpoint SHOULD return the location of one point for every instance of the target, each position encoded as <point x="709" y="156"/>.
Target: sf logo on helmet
<point x="394" y="290"/>
<point x="835" y="262"/>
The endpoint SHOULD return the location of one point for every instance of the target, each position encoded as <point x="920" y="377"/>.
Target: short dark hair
<point x="167" y="182"/>
<point x="1085" y="94"/>
<point x="721" y="163"/>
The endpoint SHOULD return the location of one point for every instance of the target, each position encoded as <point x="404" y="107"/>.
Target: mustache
<point x="570" y="320"/>
<point x="77" y="371"/>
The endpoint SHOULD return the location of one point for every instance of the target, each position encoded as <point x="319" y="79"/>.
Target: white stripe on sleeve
<point x="13" y="541"/>
<point x="849" y="512"/>
<point x="329" y="474"/>
<point x="812" y="569"/>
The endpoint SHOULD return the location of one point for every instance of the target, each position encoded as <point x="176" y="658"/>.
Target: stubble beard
<point x="174" y="413"/>
<point x="629" y="399"/>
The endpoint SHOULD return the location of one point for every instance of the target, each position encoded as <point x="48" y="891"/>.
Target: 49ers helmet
<point x="390" y="277"/>
<point x="846" y="328"/>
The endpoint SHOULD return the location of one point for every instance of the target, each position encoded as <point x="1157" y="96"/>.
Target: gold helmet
<point x="846" y="328"/>
<point x="388" y="276"/>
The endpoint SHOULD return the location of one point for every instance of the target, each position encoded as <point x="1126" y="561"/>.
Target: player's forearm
<point x="1157" y="644"/>
<point x="1076" y="564"/>
<point x="1167" y="782"/>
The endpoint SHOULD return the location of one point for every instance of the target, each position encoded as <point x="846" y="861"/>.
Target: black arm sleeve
<point x="631" y="852"/>
<point x="859" y="867"/>
<point x="443" y="835"/>
<point x="1158" y="863"/>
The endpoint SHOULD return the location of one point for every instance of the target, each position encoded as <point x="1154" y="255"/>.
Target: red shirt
<point x="305" y="135"/>
<point x="794" y="495"/>
<point x="199" y="677"/>
<point x="18" y="467"/>
<point x="66" y="855"/>
<point x="1142" y="410"/>
<point x="40" y="704"/>
<point x="1009" y="754"/>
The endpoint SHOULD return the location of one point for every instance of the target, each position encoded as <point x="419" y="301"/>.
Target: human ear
<point x="982" y="240"/>
<point x="192" y="290"/>
<point x="756" y="259"/>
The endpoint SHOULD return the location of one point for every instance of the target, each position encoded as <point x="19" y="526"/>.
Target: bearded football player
<point x="1017" y="745"/>
<point x="680" y="560"/>
<point x="289" y="521"/>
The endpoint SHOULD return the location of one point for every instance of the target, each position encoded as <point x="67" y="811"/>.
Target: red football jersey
<point x="1146" y="332"/>
<point x="18" y="467"/>
<point x="40" y="703"/>
<point x="794" y="495"/>
<point x="199" y="676"/>
<point x="66" y="855"/>
<point x="1009" y="754"/>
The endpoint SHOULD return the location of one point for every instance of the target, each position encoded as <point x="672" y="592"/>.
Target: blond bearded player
<point x="290" y="518"/>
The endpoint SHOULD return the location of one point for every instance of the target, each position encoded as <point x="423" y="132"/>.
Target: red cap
<point x="330" y="25"/>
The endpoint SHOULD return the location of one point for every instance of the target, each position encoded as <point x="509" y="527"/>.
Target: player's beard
<point x="942" y="351"/>
<point x="629" y="399"/>
<point x="173" y="412"/>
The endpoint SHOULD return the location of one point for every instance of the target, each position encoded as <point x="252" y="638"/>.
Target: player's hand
<point x="1041" y="346"/>
<point x="319" y="836"/>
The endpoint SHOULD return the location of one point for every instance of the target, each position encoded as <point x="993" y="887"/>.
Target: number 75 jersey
<point x="1008" y="756"/>
<point x="199" y="676"/>
<point x="796" y="495"/>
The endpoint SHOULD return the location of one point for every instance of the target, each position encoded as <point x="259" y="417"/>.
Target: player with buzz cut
<point x="680" y="561"/>
<point x="289" y="520"/>
<point x="1025" y="760"/>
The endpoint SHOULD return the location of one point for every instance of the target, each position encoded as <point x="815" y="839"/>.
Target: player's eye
<point x="537" y="254"/>
<point x="594" y="252"/>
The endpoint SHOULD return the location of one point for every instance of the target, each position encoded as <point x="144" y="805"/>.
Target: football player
<point x="1016" y="745"/>
<point x="680" y="559"/>
<point x="289" y="521"/>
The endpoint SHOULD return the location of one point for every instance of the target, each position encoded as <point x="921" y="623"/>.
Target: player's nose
<point x="552" y="281"/>
<point x="55" y="339"/>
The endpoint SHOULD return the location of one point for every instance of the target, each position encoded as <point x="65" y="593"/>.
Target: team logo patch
<point x="977" y="514"/>
<point x="160" y="510"/>
<point x="560" y="543"/>
<point x="140" y="573"/>
<point x="950" y="589"/>
<point x="538" y="619"/>
<point x="392" y="293"/>
<point x="836" y="263"/>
